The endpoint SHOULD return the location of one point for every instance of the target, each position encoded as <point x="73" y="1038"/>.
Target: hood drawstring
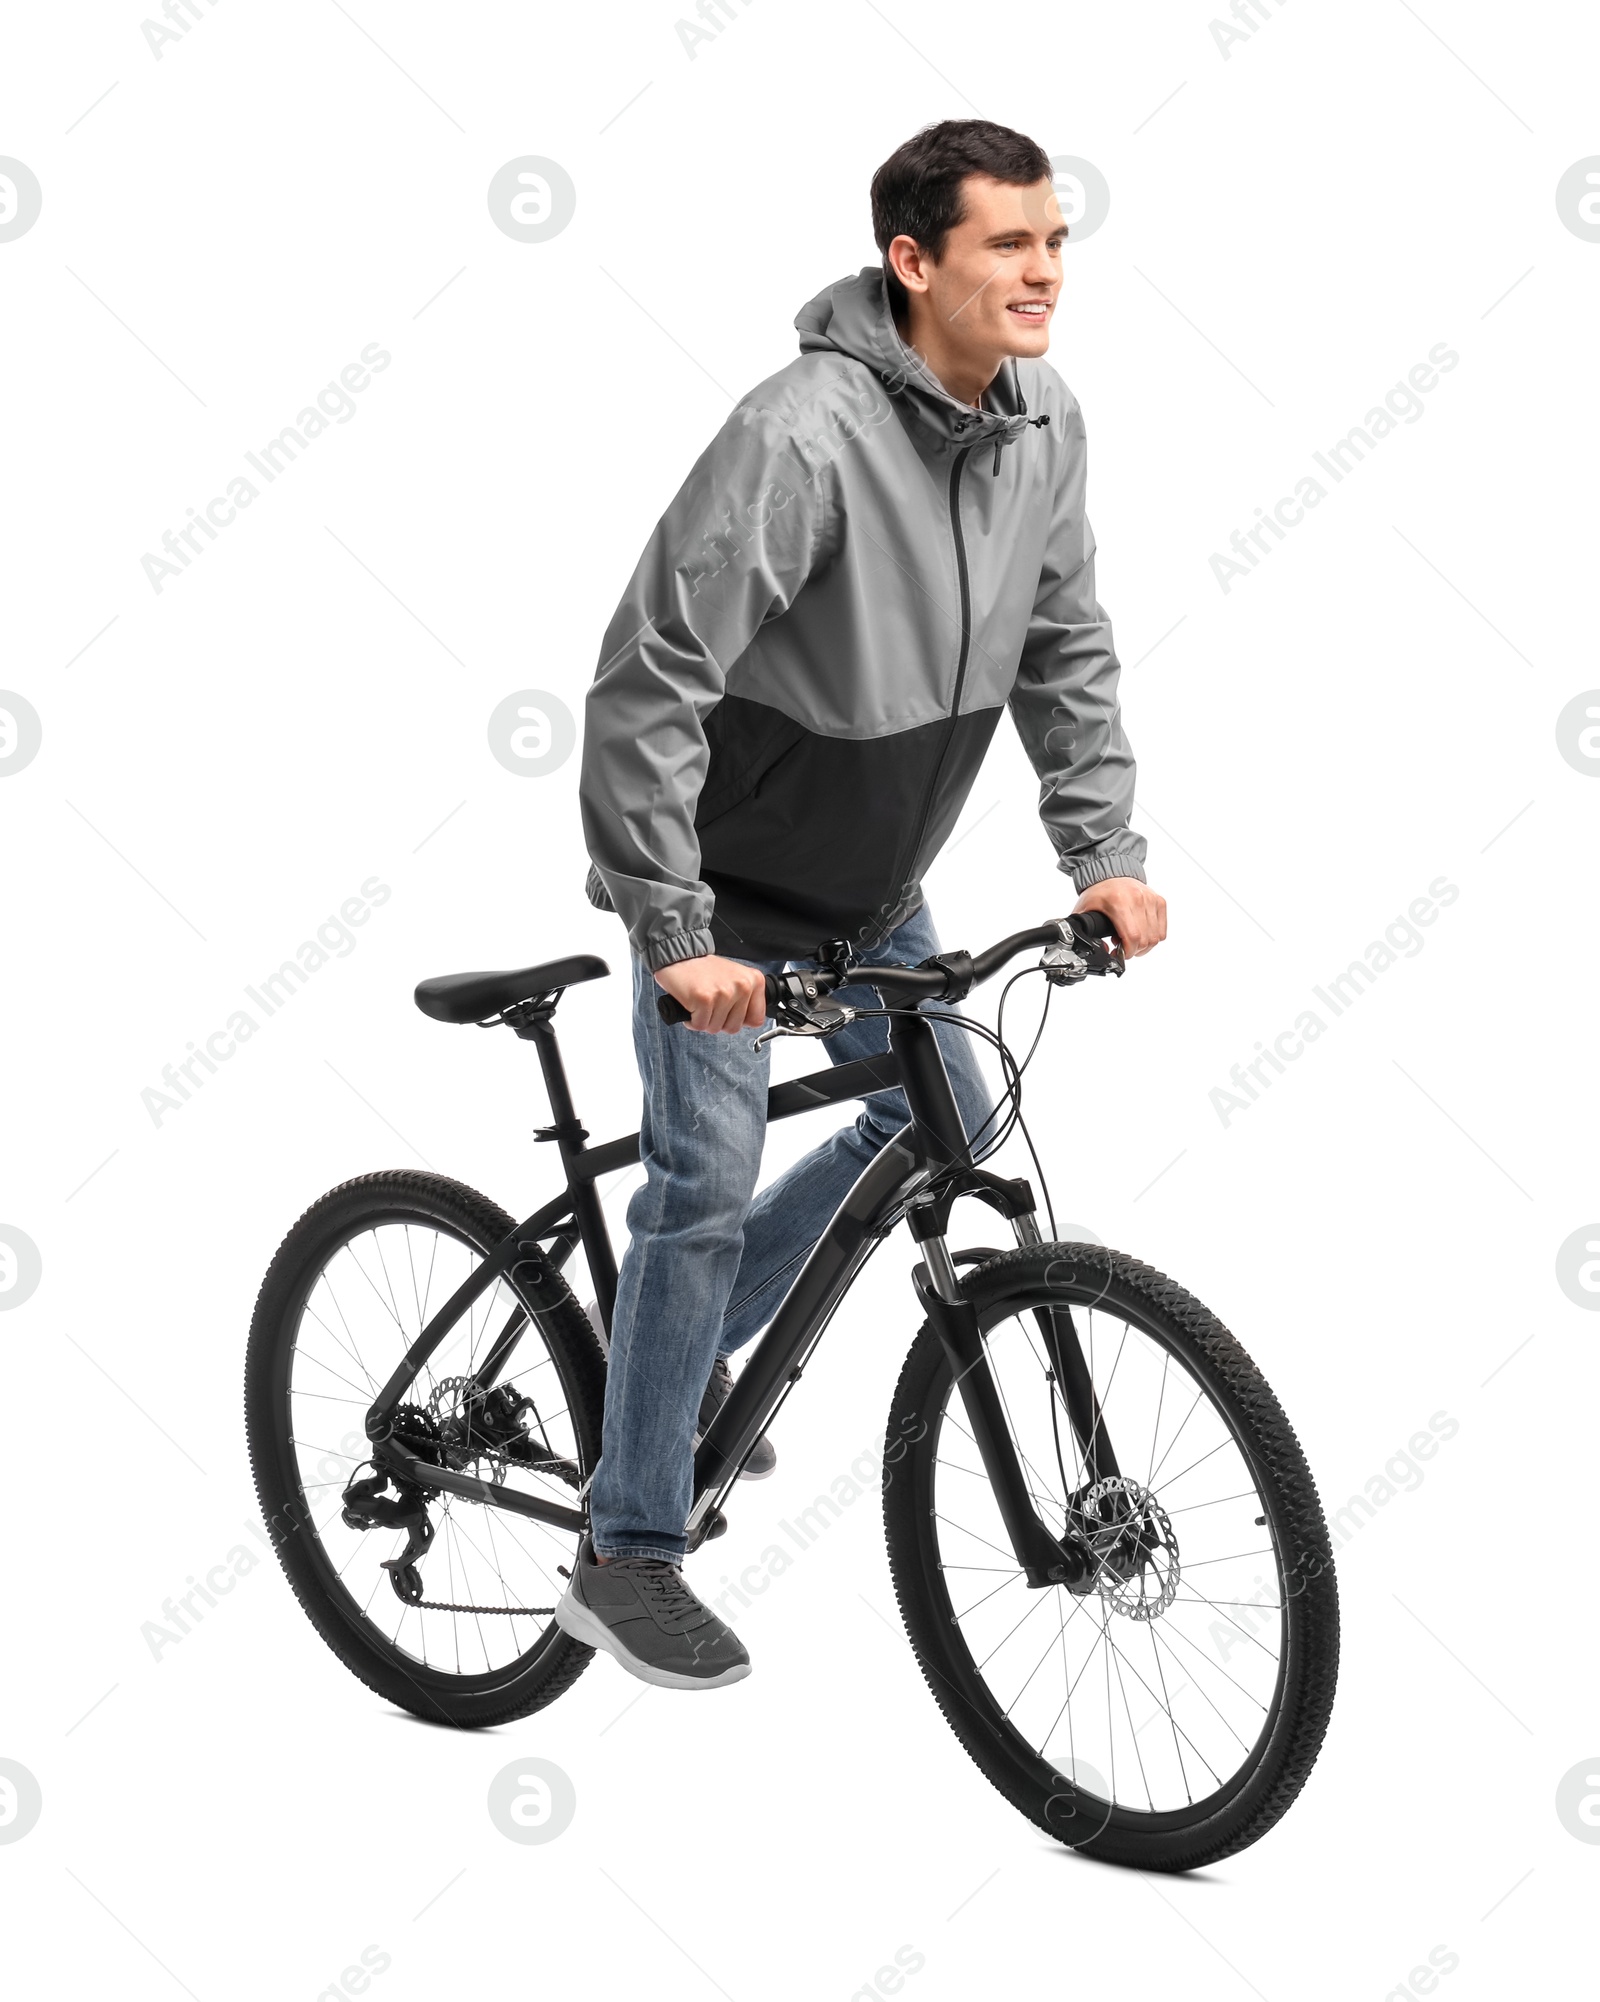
<point x="1022" y="401"/>
<point x="1022" y="410"/>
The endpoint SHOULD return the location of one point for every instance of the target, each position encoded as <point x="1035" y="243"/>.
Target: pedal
<point x="715" y="1524"/>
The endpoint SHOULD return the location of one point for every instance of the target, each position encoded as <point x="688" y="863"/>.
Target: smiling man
<point x="883" y="548"/>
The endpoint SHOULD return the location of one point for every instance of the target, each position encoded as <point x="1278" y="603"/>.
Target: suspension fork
<point x="1072" y="1376"/>
<point x="1045" y="1559"/>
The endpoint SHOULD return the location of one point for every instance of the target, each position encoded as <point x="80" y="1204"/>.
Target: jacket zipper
<point x="961" y="658"/>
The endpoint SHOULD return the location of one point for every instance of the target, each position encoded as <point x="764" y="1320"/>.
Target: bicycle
<point x="1093" y="1503"/>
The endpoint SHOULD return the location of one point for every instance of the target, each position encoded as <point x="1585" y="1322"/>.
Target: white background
<point x="1292" y="227"/>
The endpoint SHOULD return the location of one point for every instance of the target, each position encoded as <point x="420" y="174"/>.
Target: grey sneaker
<point x="763" y="1456"/>
<point x="641" y="1610"/>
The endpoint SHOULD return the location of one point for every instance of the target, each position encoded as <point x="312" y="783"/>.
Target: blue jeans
<point x="706" y="1268"/>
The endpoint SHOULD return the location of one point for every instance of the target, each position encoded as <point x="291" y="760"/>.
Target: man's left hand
<point x="1139" y="915"/>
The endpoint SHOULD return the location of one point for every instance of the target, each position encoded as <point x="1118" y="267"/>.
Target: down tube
<point x="888" y="1179"/>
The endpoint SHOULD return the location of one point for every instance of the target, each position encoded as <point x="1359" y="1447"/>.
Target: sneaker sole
<point x="575" y="1619"/>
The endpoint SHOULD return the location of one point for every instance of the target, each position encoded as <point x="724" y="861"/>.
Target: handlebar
<point x="948" y="976"/>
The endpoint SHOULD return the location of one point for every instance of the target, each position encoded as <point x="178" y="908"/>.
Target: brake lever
<point x="1064" y="965"/>
<point x="825" y="1018"/>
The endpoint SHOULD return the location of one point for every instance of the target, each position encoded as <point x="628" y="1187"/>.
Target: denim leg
<point x="789" y="1215"/>
<point x="701" y="1133"/>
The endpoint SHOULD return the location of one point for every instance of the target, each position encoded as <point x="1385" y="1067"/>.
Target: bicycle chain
<point x="507" y="1612"/>
<point x="511" y="1612"/>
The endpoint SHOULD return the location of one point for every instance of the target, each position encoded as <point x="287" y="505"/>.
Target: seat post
<point x="539" y="1029"/>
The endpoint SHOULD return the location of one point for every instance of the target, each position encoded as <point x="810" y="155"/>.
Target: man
<point x="883" y="546"/>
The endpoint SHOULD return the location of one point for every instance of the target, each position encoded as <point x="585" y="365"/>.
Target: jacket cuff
<point x="675" y="945"/>
<point x="1086" y="870"/>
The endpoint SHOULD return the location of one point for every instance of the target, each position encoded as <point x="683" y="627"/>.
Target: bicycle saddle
<point x="474" y="997"/>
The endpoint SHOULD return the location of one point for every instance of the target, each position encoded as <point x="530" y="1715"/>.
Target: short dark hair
<point x="917" y="190"/>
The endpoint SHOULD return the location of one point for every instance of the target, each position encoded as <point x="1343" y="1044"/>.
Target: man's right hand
<point x="719" y="993"/>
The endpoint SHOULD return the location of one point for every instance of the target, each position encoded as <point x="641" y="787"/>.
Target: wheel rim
<point x="1151" y="1692"/>
<point x="368" y="1300"/>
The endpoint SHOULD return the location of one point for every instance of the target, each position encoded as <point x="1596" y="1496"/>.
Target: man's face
<point x="994" y="290"/>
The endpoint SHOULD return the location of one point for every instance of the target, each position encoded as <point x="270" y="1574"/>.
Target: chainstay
<point x="505" y="1612"/>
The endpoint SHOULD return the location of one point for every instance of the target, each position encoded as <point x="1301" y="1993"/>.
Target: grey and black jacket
<point x="804" y="673"/>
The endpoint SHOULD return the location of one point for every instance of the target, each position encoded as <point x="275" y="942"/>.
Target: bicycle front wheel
<point x="1167" y="1712"/>
<point x="353" y="1285"/>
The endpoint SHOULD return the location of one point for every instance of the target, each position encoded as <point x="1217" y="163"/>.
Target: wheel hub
<point x="1135" y="1551"/>
<point x="485" y="1431"/>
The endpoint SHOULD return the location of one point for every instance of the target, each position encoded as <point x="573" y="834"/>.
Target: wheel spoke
<point x="1166" y="1701"/>
<point x="1144" y="1560"/>
<point x="1049" y="1646"/>
<point x="346" y="1338"/>
<point x="1155" y="1430"/>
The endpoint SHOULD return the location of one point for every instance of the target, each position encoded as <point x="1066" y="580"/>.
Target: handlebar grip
<point x="1095" y="923"/>
<point x="671" y="1009"/>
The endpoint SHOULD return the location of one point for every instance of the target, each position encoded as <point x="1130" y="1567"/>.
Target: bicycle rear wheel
<point x="1167" y="1713"/>
<point x="351" y="1288"/>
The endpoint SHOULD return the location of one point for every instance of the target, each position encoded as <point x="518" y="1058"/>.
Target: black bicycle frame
<point x="916" y="1176"/>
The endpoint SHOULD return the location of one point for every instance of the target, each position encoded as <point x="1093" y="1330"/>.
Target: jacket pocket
<point x="745" y="741"/>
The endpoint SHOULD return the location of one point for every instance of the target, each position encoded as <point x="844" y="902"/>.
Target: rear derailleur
<point x="462" y="1427"/>
<point x="368" y="1505"/>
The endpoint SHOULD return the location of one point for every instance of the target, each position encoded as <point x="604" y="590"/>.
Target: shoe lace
<point x="666" y="1585"/>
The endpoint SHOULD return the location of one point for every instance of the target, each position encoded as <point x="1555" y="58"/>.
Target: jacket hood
<point x="851" y="317"/>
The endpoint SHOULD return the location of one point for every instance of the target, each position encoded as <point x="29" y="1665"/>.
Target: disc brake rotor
<point x="1134" y="1547"/>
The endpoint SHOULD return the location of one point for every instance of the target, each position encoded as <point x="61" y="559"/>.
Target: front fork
<point x="1045" y="1558"/>
<point x="1071" y="1373"/>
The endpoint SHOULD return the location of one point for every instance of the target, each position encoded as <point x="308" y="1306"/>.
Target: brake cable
<point x="1010" y="1069"/>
